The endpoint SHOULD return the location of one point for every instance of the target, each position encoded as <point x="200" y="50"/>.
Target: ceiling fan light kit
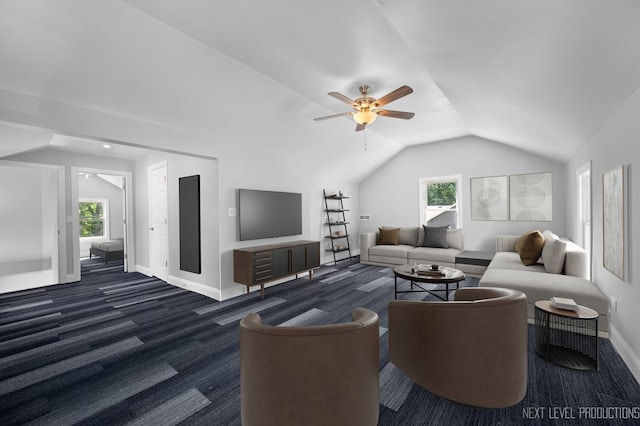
<point x="367" y="109"/>
<point x="365" y="117"/>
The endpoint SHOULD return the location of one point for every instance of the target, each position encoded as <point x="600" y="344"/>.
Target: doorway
<point x="583" y="219"/>
<point x="102" y="207"/>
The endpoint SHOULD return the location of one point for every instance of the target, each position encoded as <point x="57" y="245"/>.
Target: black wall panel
<point x="189" y="195"/>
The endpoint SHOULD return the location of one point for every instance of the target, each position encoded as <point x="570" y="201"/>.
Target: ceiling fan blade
<point x="396" y="94"/>
<point x="343" y="98"/>
<point x="360" y="127"/>
<point x="326" y="117"/>
<point x="394" y="114"/>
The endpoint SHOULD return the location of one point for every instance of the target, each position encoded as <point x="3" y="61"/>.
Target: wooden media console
<point x="262" y="264"/>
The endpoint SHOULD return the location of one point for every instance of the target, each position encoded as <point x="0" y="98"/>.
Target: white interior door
<point x="158" y="221"/>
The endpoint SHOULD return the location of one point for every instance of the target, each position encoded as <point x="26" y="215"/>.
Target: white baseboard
<point x="240" y="289"/>
<point x="235" y="291"/>
<point x="213" y="293"/>
<point x="142" y="269"/>
<point x="27" y="280"/>
<point x="210" y="292"/>
<point x="626" y="352"/>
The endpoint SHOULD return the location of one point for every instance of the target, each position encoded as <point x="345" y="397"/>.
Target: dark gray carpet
<point x="123" y="348"/>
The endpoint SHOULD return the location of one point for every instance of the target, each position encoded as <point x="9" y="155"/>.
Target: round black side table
<point x="567" y="338"/>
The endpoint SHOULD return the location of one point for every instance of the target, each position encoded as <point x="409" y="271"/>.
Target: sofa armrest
<point x="576" y="260"/>
<point x="367" y="240"/>
<point x="506" y="242"/>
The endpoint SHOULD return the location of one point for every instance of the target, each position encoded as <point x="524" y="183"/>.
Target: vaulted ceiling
<point x="540" y="75"/>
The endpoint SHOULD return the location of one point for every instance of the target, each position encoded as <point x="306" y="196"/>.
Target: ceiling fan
<point x="366" y="109"/>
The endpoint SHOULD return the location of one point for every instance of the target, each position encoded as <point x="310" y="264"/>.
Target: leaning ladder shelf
<point x="337" y="223"/>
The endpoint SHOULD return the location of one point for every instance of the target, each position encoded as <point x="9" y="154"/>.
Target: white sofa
<point x="409" y="249"/>
<point x="506" y="270"/>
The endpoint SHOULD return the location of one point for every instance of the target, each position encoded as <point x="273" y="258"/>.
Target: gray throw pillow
<point x="435" y="236"/>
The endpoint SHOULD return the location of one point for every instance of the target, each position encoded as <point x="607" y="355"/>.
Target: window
<point x="584" y="208"/>
<point x="440" y="201"/>
<point x="93" y="218"/>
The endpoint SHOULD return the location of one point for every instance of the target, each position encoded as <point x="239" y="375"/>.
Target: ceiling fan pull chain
<point x="365" y="139"/>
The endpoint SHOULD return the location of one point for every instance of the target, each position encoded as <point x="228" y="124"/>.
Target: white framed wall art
<point x="613" y="221"/>
<point x="489" y="198"/>
<point x="531" y="197"/>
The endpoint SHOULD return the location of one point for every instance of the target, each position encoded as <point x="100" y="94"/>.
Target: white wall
<point x="391" y="193"/>
<point x="23" y="213"/>
<point x="615" y="144"/>
<point x="208" y="281"/>
<point x="265" y="169"/>
<point x="257" y="168"/>
<point x="69" y="160"/>
<point x="29" y="223"/>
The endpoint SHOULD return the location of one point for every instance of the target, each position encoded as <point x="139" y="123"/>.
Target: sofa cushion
<point x="389" y="251"/>
<point x="506" y="242"/>
<point x="553" y="253"/>
<point x="455" y="239"/>
<point x="511" y="260"/>
<point x="435" y="236"/>
<point x="576" y="260"/>
<point x="388" y="235"/>
<point x="529" y="246"/>
<point x="544" y="286"/>
<point x="408" y="236"/>
<point x="433" y="255"/>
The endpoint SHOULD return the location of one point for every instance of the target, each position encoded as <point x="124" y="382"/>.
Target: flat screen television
<point x="269" y="214"/>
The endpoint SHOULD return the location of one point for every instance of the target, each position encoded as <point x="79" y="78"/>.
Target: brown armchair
<point x="472" y="350"/>
<point x="314" y="375"/>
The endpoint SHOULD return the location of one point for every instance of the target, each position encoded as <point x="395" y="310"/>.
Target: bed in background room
<point x="108" y="250"/>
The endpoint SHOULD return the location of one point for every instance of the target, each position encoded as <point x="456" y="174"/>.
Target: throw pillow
<point x="553" y="253"/>
<point x="435" y="236"/>
<point x="529" y="247"/>
<point x="388" y="236"/>
<point x="408" y="236"/>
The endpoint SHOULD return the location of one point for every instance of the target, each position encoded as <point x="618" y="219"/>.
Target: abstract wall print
<point x="613" y="221"/>
<point x="531" y="197"/>
<point x="489" y="198"/>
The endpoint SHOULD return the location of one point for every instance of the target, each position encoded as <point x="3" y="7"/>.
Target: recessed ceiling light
<point x="106" y="146"/>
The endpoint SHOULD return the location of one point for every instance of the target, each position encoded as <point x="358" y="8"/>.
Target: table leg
<point x="395" y="287"/>
<point x="543" y="331"/>
<point x="457" y="286"/>
<point x="596" y="343"/>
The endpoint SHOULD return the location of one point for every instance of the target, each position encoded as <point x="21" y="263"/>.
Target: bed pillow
<point x="435" y="236"/>
<point x="388" y="236"/>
